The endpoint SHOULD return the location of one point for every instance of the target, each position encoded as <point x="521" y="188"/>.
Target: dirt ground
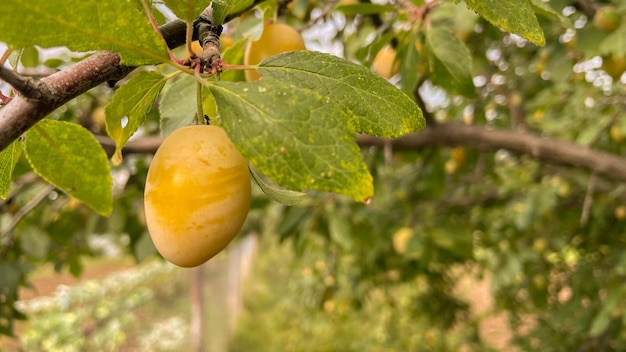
<point x="494" y="329"/>
<point x="46" y="281"/>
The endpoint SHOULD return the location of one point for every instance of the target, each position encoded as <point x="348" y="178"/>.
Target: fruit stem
<point x="155" y="26"/>
<point x="238" y="67"/>
<point x="200" y="113"/>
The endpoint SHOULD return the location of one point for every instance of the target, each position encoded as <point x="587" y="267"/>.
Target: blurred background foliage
<point x="539" y="247"/>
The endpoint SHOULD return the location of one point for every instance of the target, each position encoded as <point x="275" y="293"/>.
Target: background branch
<point x="549" y="150"/>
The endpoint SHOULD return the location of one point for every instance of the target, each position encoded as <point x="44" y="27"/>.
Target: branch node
<point x="208" y="34"/>
<point x="29" y="87"/>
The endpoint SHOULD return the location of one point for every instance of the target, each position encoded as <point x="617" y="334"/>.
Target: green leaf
<point x="339" y="230"/>
<point x="365" y="9"/>
<point x="11" y="274"/>
<point x="280" y="195"/>
<point x="614" y="43"/>
<point x="602" y="320"/>
<point x="297" y="137"/>
<point x="69" y="157"/>
<point x="234" y="56"/>
<point x="8" y="158"/>
<point x="30" y="57"/>
<point x="224" y="8"/>
<point x="144" y="247"/>
<point x="187" y="10"/>
<point x="177" y="105"/>
<point x="544" y="9"/>
<point x="451" y="62"/>
<point x="35" y="242"/>
<point x="375" y="106"/>
<point x="127" y="111"/>
<point x="410" y="60"/>
<point x="115" y="25"/>
<point x="515" y="16"/>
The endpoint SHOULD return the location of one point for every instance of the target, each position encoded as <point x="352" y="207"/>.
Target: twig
<point x="5" y="56"/>
<point x="155" y="26"/>
<point x="5" y="235"/>
<point x="28" y="87"/>
<point x="588" y="7"/>
<point x="329" y="6"/>
<point x="591" y="187"/>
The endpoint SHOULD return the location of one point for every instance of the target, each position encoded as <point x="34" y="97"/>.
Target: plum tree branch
<point x="544" y="149"/>
<point x="25" y="110"/>
<point x="41" y="97"/>
<point x="28" y="87"/>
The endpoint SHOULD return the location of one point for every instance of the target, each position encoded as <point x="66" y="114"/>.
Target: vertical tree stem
<point x="197" y="309"/>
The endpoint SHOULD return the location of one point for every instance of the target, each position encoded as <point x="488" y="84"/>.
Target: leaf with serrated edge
<point x="376" y="107"/>
<point x="127" y="111"/>
<point x="68" y="156"/>
<point x="454" y="58"/>
<point x="115" y="25"/>
<point x="8" y="158"/>
<point x="515" y="16"/>
<point x="187" y="10"/>
<point x="297" y="137"/>
<point x="223" y="8"/>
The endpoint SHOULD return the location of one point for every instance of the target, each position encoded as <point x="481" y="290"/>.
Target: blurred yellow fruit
<point x="196" y="47"/>
<point x="226" y="42"/>
<point x="458" y="155"/>
<point x="615" y="132"/>
<point x="276" y="38"/>
<point x="540" y="245"/>
<point x="401" y="239"/>
<point x="607" y="19"/>
<point x="614" y="66"/>
<point x="385" y="64"/>
<point x="538" y="115"/>
<point x="620" y="212"/>
<point x="99" y="119"/>
<point x="451" y="166"/>
<point x="539" y="281"/>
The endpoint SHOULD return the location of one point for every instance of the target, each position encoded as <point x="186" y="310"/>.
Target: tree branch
<point x="22" y="113"/>
<point x="28" y="87"/>
<point x="487" y="139"/>
<point x="588" y="7"/>
<point x="548" y="150"/>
